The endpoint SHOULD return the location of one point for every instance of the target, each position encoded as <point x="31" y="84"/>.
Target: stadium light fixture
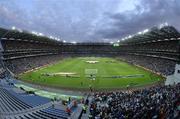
<point x="166" y="24"/>
<point x="111" y="42"/>
<point x="139" y="33"/>
<point x="129" y="36"/>
<point x="64" y="41"/>
<point x="74" y="42"/>
<point x="163" y="24"/>
<point x="40" y="34"/>
<point x="35" y="33"/>
<point x="146" y="30"/>
<point x="51" y="37"/>
<point x="57" y="39"/>
<point x="13" y="28"/>
<point x="123" y="39"/>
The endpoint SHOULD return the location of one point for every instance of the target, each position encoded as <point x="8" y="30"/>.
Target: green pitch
<point x="105" y="73"/>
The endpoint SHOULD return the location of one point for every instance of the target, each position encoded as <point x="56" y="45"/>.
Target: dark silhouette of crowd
<point x="160" y="102"/>
<point x="158" y="65"/>
<point x="23" y="56"/>
<point x="25" y="51"/>
<point x="24" y="64"/>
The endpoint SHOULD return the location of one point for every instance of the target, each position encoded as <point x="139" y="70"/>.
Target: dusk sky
<point x="88" y="20"/>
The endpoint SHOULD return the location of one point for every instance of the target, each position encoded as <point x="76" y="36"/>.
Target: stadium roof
<point x="152" y="35"/>
<point x="148" y="35"/>
<point x="24" y="35"/>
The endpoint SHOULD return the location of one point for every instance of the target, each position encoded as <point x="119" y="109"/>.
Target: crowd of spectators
<point x="158" y="56"/>
<point x="16" y="49"/>
<point x="164" y="45"/>
<point x="158" y="65"/>
<point x="2" y="70"/>
<point x="24" y="64"/>
<point x="160" y="102"/>
<point x="23" y="55"/>
<point x="89" y="49"/>
<point x="151" y="50"/>
<point x="15" y="44"/>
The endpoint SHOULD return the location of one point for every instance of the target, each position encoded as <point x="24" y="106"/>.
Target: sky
<point x="88" y="20"/>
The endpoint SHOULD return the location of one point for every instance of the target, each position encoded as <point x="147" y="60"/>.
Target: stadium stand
<point x="162" y="66"/>
<point x="160" y="102"/>
<point x="156" y="49"/>
<point x="23" y="50"/>
<point x="158" y="45"/>
<point x="16" y="103"/>
<point x="26" y="106"/>
<point x="89" y="49"/>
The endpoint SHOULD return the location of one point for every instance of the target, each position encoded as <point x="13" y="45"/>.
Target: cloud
<point x="145" y="15"/>
<point x="88" y="20"/>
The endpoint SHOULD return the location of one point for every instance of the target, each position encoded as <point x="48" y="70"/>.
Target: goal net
<point x="91" y="72"/>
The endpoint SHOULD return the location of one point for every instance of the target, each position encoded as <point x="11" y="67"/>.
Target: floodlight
<point x="146" y="30"/>
<point x="111" y="42"/>
<point x="51" y="37"/>
<point x="13" y="28"/>
<point x="74" y="42"/>
<point x="41" y="34"/>
<point x="129" y="36"/>
<point x="139" y="32"/>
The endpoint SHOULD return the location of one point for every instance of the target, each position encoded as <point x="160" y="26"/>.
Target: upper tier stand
<point x="175" y="78"/>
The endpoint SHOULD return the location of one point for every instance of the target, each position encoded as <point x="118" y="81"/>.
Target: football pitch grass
<point x="110" y="73"/>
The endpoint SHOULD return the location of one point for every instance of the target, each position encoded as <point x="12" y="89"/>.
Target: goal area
<point x="91" y="72"/>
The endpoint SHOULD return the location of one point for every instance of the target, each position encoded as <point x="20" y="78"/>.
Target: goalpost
<point x="91" y="73"/>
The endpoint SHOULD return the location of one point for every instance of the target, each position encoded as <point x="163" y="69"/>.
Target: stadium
<point x="133" y="77"/>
